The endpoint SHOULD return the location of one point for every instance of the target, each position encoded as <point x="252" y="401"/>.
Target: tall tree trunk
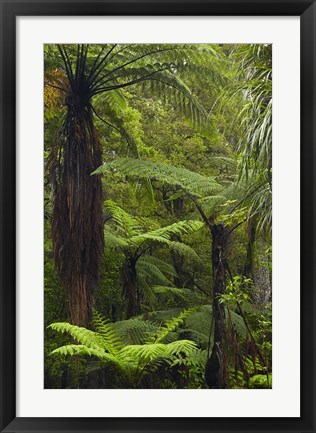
<point x="130" y="287"/>
<point x="77" y="225"/>
<point x="214" y="372"/>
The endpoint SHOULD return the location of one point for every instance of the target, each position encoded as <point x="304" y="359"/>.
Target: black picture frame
<point x="9" y="11"/>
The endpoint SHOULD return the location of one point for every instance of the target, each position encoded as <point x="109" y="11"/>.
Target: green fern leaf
<point x="108" y="332"/>
<point x="187" y="180"/>
<point x="82" y="335"/>
<point x="76" y="349"/>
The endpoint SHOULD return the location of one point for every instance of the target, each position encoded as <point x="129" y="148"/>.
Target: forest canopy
<point x="158" y="216"/>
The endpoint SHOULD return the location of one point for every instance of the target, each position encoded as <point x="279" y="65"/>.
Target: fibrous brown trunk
<point x="214" y="372"/>
<point x="77" y="223"/>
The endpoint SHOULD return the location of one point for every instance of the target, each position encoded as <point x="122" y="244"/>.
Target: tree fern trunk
<point x="214" y="372"/>
<point x="77" y="225"/>
<point x="130" y="287"/>
<point x="252" y="228"/>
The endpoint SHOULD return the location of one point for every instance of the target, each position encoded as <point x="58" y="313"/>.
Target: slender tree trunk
<point x="130" y="287"/>
<point x="248" y="269"/>
<point x="178" y="264"/>
<point x="214" y="372"/>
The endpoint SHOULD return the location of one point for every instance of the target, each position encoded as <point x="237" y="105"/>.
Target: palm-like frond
<point x="255" y="88"/>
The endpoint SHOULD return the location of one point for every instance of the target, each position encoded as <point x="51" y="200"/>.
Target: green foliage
<point x="129" y="232"/>
<point x="187" y="180"/>
<point x="155" y="269"/>
<point x="135" y="330"/>
<point x="170" y="326"/>
<point x="256" y="122"/>
<point x="81" y="335"/>
<point x="110" y="336"/>
<point x="238" y="290"/>
<point x="184" y="250"/>
<point x="186" y="296"/>
<point x="131" y="359"/>
<point x="260" y="381"/>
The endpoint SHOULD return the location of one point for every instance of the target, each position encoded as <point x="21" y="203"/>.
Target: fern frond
<point x="211" y="204"/>
<point x="77" y="349"/>
<point x="114" y="101"/>
<point x="147" y="291"/>
<point x="136" y="330"/>
<point x="183" y="347"/>
<point x="197" y="358"/>
<point x="165" y="291"/>
<point x="127" y="224"/>
<point x="108" y="332"/>
<point x="164" y="267"/>
<point x="184" y="250"/>
<point x="113" y="239"/>
<point x="151" y="271"/>
<point x="177" y="229"/>
<point x="170" y="326"/>
<point x="164" y="234"/>
<point x="84" y="336"/>
<point x="189" y="181"/>
<point x="144" y="352"/>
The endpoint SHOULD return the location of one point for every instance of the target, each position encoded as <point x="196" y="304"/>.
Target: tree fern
<point x="142" y="270"/>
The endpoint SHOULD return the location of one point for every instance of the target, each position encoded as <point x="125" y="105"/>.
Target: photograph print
<point x="158" y="216"/>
